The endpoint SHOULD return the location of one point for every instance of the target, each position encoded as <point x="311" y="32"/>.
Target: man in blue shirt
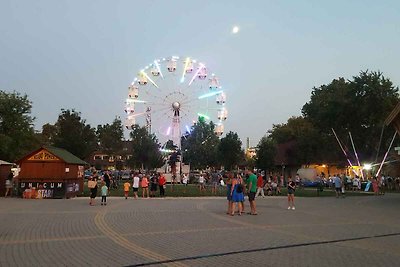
<point x="338" y="185"/>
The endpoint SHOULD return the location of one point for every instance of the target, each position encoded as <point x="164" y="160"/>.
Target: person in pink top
<point x="375" y="186"/>
<point x="145" y="186"/>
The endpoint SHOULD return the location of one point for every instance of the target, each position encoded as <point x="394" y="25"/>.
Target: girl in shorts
<point x="291" y="188"/>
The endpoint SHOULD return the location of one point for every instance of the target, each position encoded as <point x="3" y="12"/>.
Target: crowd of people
<point x="252" y="185"/>
<point x="149" y="182"/>
<point x="238" y="185"/>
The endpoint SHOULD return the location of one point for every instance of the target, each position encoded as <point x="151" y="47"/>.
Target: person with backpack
<point x="237" y="194"/>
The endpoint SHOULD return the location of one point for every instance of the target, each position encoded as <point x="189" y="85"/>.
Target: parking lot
<point x="355" y="231"/>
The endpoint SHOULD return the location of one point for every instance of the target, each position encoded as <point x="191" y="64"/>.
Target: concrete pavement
<point x="355" y="231"/>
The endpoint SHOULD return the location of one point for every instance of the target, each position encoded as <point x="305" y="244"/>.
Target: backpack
<point x="239" y="188"/>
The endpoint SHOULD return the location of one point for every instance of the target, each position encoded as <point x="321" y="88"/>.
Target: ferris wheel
<point x="168" y="96"/>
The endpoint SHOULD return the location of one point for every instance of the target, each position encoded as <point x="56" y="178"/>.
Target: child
<point x="127" y="185"/>
<point x="104" y="192"/>
<point x="291" y="188"/>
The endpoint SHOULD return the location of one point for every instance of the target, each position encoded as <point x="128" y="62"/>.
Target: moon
<point x="235" y="29"/>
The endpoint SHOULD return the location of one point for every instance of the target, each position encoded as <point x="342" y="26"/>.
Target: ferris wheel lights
<point x="185" y="69"/>
<point x="146" y="77"/>
<point x="211" y="94"/>
<point x="129" y="100"/>
<point x="201" y="66"/>
<point x="158" y="67"/>
<point x="203" y="116"/>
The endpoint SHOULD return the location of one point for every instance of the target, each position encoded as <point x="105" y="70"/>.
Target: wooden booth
<point x="5" y="169"/>
<point x="50" y="172"/>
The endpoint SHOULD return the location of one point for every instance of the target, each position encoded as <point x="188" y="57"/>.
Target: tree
<point x="111" y="136"/>
<point x="48" y="134"/>
<point x="265" y="154"/>
<point x="306" y="138"/>
<point x="146" y="149"/>
<point x="17" y="135"/>
<point x="74" y="135"/>
<point x="359" y="106"/>
<point x="200" y="146"/>
<point x="230" y="150"/>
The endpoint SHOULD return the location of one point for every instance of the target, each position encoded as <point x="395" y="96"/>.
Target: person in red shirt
<point x="162" y="183"/>
<point x="260" y="186"/>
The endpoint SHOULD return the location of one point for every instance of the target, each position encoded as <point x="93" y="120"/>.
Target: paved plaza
<point x="355" y="231"/>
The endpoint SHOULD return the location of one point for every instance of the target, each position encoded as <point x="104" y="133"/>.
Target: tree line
<point x="359" y="105"/>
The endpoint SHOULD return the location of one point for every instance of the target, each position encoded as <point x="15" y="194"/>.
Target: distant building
<point x="105" y="161"/>
<point x="251" y="152"/>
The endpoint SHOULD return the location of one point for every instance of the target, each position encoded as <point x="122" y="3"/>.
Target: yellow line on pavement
<point x="101" y="224"/>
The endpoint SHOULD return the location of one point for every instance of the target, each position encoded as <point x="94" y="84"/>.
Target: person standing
<point x="135" y="185"/>
<point x="153" y="185"/>
<point x="237" y="195"/>
<point x="184" y="182"/>
<point x="343" y="183"/>
<point x="92" y="184"/>
<point x="104" y="192"/>
<point x="201" y="182"/>
<point x="356" y="180"/>
<point x="251" y="190"/>
<point x="260" y="186"/>
<point x="229" y="178"/>
<point x="291" y="187"/>
<point x="297" y="178"/>
<point x="162" y="183"/>
<point x="381" y="183"/>
<point x="145" y="186"/>
<point x="127" y="185"/>
<point x="214" y="180"/>
<point x="338" y="185"/>
<point x="9" y="184"/>
<point x="375" y="186"/>
<point x="107" y="178"/>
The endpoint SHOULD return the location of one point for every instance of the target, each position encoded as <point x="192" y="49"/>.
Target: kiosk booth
<point x="50" y="172"/>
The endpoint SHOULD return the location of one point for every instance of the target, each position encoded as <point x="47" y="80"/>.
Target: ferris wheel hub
<point x="176" y="105"/>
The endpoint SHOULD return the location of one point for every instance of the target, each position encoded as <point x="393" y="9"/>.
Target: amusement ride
<point x="170" y="94"/>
